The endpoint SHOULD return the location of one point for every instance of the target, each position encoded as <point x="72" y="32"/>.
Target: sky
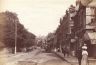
<point x="38" y="16"/>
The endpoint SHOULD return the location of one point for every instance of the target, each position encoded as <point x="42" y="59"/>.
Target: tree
<point x="24" y="37"/>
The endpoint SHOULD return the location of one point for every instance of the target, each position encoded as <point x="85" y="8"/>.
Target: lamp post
<point x="15" y="48"/>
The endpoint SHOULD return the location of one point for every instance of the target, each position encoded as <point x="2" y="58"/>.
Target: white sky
<point x="38" y="16"/>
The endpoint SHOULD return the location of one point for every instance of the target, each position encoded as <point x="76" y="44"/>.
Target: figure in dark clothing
<point x="79" y="55"/>
<point x="63" y="51"/>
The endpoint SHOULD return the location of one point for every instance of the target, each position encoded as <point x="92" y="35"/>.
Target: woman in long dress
<point x="84" y="57"/>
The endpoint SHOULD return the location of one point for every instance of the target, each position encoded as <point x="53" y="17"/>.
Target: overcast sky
<point x="38" y="16"/>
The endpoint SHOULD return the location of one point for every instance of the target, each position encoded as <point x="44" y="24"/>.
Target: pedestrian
<point x="79" y="55"/>
<point x="63" y="51"/>
<point x="67" y="51"/>
<point x="84" y="56"/>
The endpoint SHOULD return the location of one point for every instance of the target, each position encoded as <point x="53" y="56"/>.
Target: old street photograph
<point x="47" y="32"/>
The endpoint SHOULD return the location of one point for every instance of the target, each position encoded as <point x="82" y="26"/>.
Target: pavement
<point x="73" y="60"/>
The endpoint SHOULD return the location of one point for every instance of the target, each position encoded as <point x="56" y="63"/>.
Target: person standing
<point x="64" y="51"/>
<point x="79" y="55"/>
<point x="84" y="56"/>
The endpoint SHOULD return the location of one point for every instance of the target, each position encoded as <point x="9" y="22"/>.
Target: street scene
<point x="53" y="32"/>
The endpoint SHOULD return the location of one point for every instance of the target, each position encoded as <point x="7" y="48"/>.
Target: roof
<point x="89" y="3"/>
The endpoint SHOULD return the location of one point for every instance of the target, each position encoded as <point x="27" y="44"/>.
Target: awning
<point x="85" y="2"/>
<point x="90" y="36"/>
<point x="92" y="4"/>
<point x="89" y="3"/>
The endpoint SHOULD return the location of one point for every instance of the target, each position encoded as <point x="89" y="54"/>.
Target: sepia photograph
<point x="47" y="32"/>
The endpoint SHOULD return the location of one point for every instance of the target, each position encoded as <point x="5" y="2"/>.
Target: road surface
<point x="36" y="57"/>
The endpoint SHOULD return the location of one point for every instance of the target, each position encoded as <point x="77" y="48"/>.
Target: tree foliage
<point x="24" y="37"/>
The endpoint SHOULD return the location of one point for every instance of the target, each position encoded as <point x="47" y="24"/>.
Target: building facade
<point x="63" y="32"/>
<point x="77" y="27"/>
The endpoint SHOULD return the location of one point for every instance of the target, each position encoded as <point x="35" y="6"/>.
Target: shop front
<point x="90" y="40"/>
